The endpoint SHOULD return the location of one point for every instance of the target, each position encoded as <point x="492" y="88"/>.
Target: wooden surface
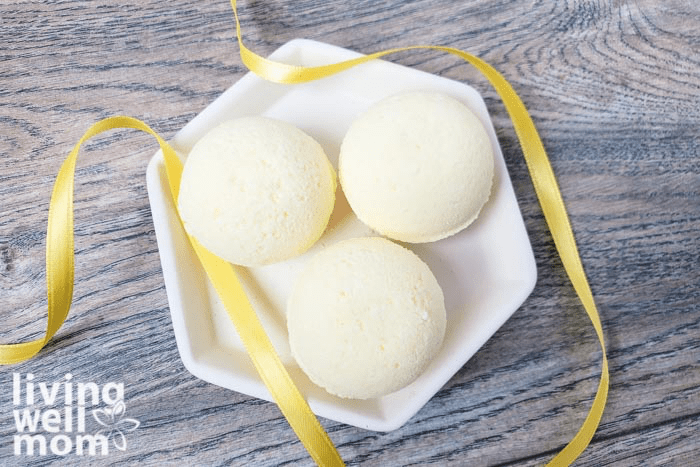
<point x="613" y="88"/>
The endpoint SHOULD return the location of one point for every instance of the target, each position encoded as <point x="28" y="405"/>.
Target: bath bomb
<point x="365" y="317"/>
<point x="255" y="191"/>
<point x="417" y="167"/>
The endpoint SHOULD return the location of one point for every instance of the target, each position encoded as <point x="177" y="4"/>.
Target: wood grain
<point x="613" y="87"/>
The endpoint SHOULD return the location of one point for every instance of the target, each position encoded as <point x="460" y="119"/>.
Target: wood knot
<point x="7" y="257"/>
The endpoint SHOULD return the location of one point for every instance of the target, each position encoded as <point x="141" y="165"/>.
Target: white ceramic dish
<point x="486" y="271"/>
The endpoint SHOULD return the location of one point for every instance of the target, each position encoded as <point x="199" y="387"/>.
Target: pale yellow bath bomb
<point x="365" y="318"/>
<point x="417" y="167"/>
<point x="255" y="191"/>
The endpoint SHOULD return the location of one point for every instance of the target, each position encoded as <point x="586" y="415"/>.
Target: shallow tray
<point x="486" y="271"/>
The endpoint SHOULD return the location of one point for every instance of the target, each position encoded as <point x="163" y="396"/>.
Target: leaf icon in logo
<point x="114" y="423"/>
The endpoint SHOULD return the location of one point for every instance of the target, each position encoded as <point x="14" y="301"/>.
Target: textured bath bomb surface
<point x="365" y="318"/>
<point x="255" y="191"/>
<point x="417" y="166"/>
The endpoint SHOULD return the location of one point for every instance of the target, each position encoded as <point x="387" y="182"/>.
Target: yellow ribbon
<point x="543" y="179"/>
<point x="59" y="251"/>
<point x="59" y="244"/>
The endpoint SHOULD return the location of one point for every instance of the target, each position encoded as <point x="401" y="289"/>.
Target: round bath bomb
<point x="365" y="318"/>
<point x="417" y="167"/>
<point x="255" y="191"/>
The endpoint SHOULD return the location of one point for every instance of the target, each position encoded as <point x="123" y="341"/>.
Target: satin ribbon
<point x="59" y="251"/>
<point x="59" y="244"/>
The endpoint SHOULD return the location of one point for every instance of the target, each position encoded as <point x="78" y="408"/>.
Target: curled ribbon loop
<point x="543" y="179"/>
<point x="59" y="242"/>
<point x="60" y="268"/>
